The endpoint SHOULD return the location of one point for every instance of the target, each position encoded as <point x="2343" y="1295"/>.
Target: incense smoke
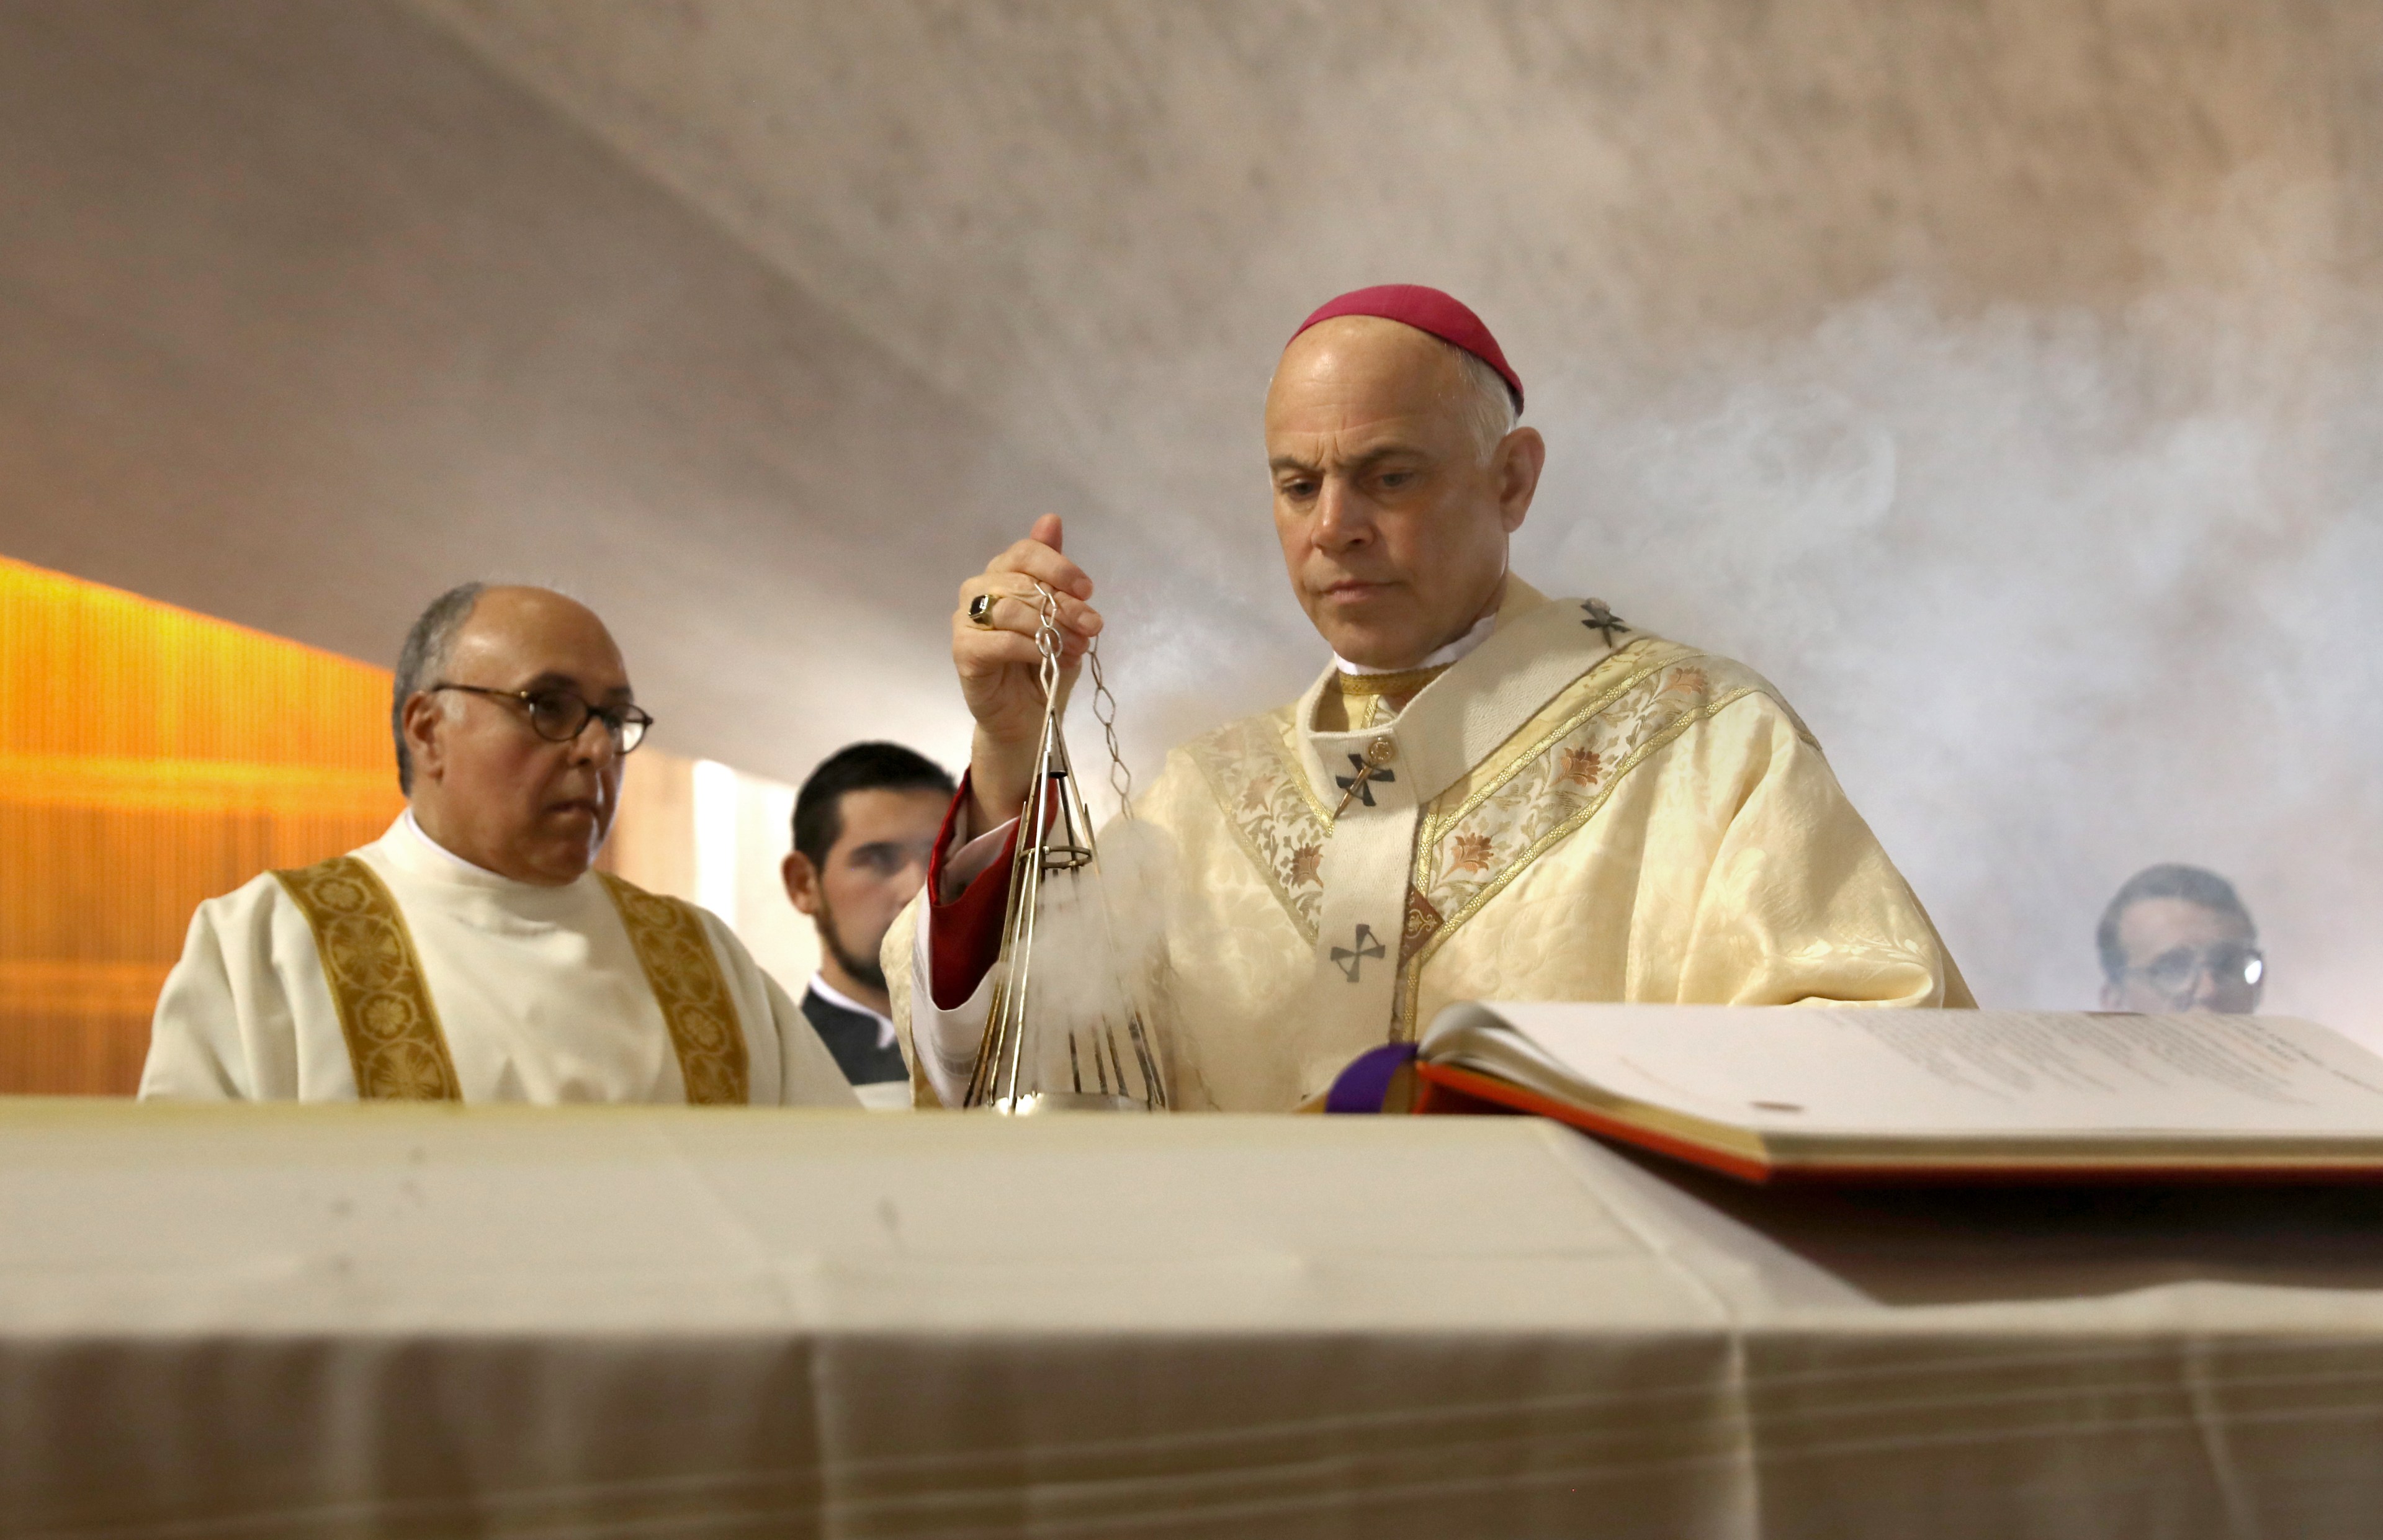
<point x="2062" y="596"/>
<point x="1100" y="947"/>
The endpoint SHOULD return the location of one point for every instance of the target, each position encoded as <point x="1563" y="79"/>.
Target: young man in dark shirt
<point x="864" y="824"/>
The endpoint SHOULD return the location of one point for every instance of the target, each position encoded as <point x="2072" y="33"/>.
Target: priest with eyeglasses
<point x="471" y="952"/>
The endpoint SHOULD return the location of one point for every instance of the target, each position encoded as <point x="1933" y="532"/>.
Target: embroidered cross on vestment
<point x="1601" y="618"/>
<point x="1361" y="946"/>
<point x="1372" y="766"/>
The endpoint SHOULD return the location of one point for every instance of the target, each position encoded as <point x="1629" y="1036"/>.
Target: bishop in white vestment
<point x="406" y="969"/>
<point x="1515" y="798"/>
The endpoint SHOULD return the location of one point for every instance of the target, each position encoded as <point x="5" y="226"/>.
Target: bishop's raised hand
<point x="999" y="665"/>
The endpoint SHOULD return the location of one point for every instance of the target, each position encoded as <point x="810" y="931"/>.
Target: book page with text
<point x="1928" y="1073"/>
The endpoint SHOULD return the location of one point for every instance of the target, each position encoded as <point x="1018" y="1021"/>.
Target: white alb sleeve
<point x="946" y="1041"/>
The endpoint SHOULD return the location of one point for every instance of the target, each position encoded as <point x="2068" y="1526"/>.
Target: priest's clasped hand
<point x="994" y="649"/>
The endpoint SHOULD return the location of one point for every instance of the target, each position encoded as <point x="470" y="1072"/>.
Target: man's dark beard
<point x="865" y="970"/>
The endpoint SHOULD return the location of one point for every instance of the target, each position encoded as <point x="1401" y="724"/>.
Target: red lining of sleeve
<point x="964" y="936"/>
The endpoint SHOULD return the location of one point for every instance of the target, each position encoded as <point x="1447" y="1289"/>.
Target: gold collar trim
<point x="1405" y="683"/>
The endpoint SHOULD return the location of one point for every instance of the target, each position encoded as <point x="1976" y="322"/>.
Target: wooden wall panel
<point x="151" y="758"/>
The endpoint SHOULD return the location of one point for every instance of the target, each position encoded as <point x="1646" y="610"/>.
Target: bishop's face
<point x="1393" y="527"/>
<point x="488" y="786"/>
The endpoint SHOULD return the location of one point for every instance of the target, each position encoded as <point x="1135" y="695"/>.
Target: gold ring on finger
<point x="979" y="611"/>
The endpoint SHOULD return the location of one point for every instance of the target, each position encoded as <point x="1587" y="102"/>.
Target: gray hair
<point x="1489" y="405"/>
<point x="423" y="658"/>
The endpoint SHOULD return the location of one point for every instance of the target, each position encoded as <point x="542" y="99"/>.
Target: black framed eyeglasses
<point x="559" y="716"/>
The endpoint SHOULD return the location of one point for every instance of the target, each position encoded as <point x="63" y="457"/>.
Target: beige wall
<point x="308" y="316"/>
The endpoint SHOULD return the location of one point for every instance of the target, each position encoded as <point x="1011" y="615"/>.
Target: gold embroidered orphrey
<point x="395" y="1043"/>
<point x="688" y="984"/>
<point x="1478" y="837"/>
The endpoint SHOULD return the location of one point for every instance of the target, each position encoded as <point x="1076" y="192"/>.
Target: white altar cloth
<point x="406" y="1320"/>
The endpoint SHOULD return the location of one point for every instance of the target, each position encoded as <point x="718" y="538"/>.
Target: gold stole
<point x="685" y="974"/>
<point x="394" y="1042"/>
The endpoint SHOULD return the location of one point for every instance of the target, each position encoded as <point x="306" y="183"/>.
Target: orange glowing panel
<point x="151" y="758"/>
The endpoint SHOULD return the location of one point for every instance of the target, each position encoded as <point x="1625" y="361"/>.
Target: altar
<point x="410" y="1321"/>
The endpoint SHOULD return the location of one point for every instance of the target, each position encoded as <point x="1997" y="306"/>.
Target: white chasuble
<point x="1575" y="810"/>
<point x="456" y="981"/>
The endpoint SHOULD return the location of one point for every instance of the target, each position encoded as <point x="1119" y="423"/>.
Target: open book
<point x="1800" y="1092"/>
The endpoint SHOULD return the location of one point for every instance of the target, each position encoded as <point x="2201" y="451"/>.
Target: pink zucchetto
<point x="1427" y="309"/>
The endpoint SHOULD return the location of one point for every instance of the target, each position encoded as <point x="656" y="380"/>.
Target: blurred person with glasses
<point x="2177" y="939"/>
<point x="472" y="953"/>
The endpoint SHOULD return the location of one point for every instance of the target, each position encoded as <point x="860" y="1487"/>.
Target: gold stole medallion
<point x="394" y="1043"/>
<point x="688" y="984"/>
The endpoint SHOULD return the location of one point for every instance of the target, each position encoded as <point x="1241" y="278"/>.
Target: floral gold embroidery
<point x="1473" y="850"/>
<point x="1483" y="834"/>
<point x="1249" y="767"/>
<point x="395" y="1045"/>
<point x="680" y="966"/>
